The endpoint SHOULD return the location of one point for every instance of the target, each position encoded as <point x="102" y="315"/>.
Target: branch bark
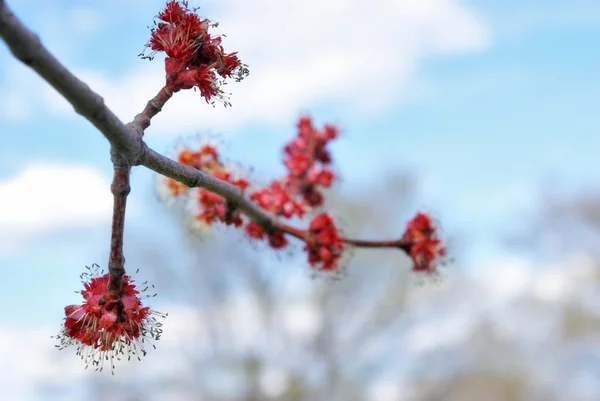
<point x="27" y="47"/>
<point x="196" y="178"/>
<point x="120" y="189"/>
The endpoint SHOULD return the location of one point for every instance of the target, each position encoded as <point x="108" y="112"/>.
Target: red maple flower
<point x="323" y="243"/>
<point x="107" y="326"/>
<point x="213" y="206"/>
<point x="254" y="230"/>
<point x="424" y="246"/>
<point x="307" y="160"/>
<point x="277" y="239"/>
<point x="194" y="57"/>
<point x="277" y="200"/>
<point x="176" y="187"/>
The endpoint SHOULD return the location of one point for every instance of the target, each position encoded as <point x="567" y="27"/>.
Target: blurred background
<point x="482" y="113"/>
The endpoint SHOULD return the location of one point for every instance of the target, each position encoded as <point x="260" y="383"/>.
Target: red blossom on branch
<point x="323" y="243"/>
<point x="308" y="162"/>
<point x="211" y="207"/>
<point x="276" y="239"/>
<point x="424" y="246"/>
<point x="195" y="58"/>
<point x="107" y="326"/>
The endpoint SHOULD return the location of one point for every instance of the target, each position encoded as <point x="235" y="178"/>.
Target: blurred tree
<point x="544" y="342"/>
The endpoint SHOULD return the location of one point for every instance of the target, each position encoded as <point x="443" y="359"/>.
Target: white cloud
<point x="506" y="279"/>
<point x="511" y="278"/>
<point x="273" y="382"/>
<point x="45" y="197"/>
<point x="552" y="285"/>
<point x="424" y="336"/>
<point x="303" y="320"/>
<point x="306" y="53"/>
<point x="29" y="358"/>
<point x="390" y="391"/>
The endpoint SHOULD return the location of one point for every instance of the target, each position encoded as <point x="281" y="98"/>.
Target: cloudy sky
<point x="486" y="102"/>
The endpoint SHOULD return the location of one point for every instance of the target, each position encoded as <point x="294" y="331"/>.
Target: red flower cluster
<point x="276" y="239"/>
<point x="323" y="243"/>
<point x="425" y="248"/>
<point x="194" y="57"/>
<point x="212" y="206"/>
<point x="107" y="325"/>
<point x="308" y="163"/>
<point x="307" y="160"/>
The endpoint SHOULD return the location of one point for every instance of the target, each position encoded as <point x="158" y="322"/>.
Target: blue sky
<point x="486" y="102"/>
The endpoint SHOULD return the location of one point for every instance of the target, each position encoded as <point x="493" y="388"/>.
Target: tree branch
<point x="192" y="178"/>
<point x="120" y="189"/>
<point x="27" y="47"/>
<point x="153" y="107"/>
<point x="195" y="178"/>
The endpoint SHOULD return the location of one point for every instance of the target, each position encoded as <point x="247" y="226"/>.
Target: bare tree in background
<point x="544" y="344"/>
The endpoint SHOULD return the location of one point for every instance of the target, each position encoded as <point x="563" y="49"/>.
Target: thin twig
<point x="153" y="107"/>
<point x="120" y="189"/>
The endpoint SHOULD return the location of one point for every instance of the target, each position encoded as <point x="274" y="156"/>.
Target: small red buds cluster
<point x="195" y="58"/>
<point x="212" y="207"/>
<point x="107" y="326"/>
<point x="323" y="243"/>
<point x="276" y="239"/>
<point x="308" y="162"/>
<point x="424" y="246"/>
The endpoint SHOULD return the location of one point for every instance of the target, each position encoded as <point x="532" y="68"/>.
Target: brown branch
<point x="195" y="178"/>
<point x="401" y="243"/>
<point x="301" y="234"/>
<point x="26" y="47"/>
<point x="192" y="178"/>
<point x="120" y="188"/>
<point x="153" y="107"/>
